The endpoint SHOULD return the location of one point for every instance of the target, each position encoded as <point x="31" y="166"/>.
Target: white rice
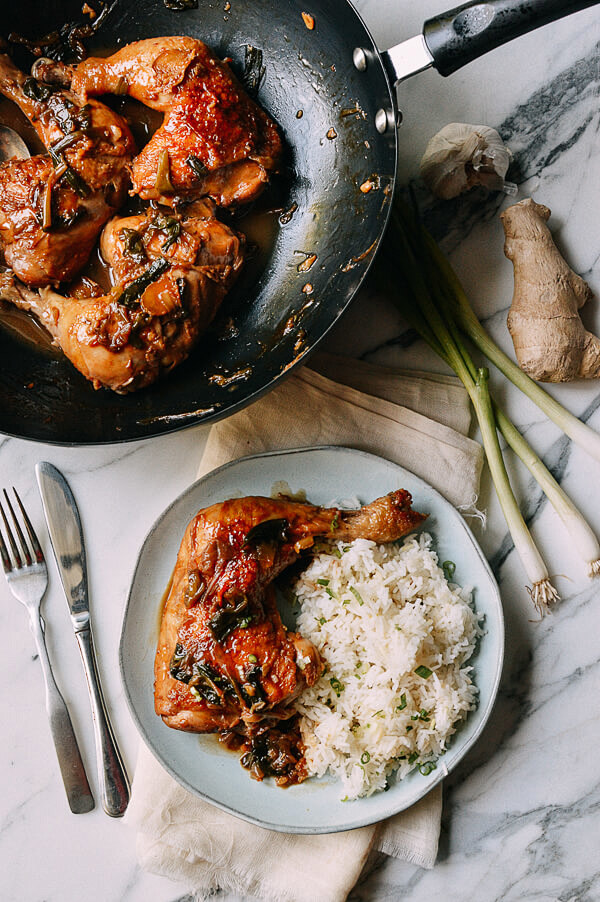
<point x="370" y="713"/>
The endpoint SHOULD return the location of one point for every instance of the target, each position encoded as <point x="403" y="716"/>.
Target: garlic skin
<point x="461" y="156"/>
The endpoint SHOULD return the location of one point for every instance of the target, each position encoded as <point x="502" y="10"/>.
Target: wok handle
<point x="463" y="34"/>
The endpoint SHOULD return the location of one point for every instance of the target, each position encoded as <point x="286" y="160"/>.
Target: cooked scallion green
<point x="449" y="568"/>
<point x="133" y="245"/>
<point x="254" y="71"/>
<point x="169" y="225"/>
<point x="135" y="289"/>
<point x="197" y="166"/>
<point x="73" y="178"/>
<point x="36" y="90"/>
<point x="357" y="595"/>
<point x="336" y="686"/>
<point x="423" y="671"/>
<point x="67" y="140"/>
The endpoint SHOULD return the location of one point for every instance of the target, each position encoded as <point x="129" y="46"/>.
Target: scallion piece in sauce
<point x="135" y="290"/>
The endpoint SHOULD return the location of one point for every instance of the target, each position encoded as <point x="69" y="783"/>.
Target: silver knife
<point x="66" y="535"/>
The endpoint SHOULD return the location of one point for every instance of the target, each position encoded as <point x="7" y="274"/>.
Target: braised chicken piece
<point x="224" y="660"/>
<point x="214" y="139"/>
<point x="53" y="207"/>
<point x="171" y="270"/>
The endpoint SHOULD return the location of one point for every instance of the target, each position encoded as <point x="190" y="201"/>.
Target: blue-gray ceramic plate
<point x="199" y="763"/>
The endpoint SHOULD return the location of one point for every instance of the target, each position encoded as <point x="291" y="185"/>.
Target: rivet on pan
<point x="399" y="117"/>
<point x="384" y="119"/>
<point x="359" y="58"/>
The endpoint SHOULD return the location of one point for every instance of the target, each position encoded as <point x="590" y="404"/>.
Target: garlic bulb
<point x="461" y="156"/>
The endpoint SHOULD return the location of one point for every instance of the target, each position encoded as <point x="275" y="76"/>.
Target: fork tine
<point x="37" y="548"/>
<point x="11" y="541"/>
<point x="21" y="537"/>
<point x="4" y="551"/>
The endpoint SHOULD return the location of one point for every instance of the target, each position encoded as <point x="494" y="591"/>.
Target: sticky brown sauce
<point x="259" y="223"/>
<point x="270" y="750"/>
<point x="162" y="604"/>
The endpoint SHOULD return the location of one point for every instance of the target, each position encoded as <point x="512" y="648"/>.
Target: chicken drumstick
<point x="53" y="207"/>
<point x="214" y="139"/>
<point x="224" y="656"/>
<point x="170" y="273"/>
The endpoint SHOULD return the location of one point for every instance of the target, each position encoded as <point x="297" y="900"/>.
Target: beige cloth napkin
<point x="420" y="421"/>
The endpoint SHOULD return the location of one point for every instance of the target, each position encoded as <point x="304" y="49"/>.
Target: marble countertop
<point x="522" y="811"/>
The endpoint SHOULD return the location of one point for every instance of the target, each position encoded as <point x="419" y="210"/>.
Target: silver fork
<point x="28" y="579"/>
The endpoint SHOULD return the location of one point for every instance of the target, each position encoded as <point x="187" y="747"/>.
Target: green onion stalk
<point x="430" y="304"/>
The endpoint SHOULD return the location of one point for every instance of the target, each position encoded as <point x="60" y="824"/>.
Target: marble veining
<point x="553" y="120"/>
<point x="522" y="810"/>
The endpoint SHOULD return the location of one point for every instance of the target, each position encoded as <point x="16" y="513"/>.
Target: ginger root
<point x="551" y="342"/>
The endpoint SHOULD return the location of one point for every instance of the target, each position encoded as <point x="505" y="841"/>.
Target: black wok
<point x="331" y="92"/>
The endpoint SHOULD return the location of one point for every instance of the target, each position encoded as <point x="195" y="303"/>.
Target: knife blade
<point x="66" y="537"/>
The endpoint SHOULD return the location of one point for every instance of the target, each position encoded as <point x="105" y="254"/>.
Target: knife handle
<point x="112" y="777"/>
<point x="77" y="788"/>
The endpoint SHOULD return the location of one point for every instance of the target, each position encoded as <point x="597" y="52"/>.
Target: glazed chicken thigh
<point x="53" y="207"/>
<point x="224" y="657"/>
<point x="214" y="139"/>
<point x="170" y="272"/>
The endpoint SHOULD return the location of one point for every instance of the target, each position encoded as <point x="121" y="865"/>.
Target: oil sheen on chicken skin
<point x="214" y="139"/>
<point x="53" y="207"/>
<point x="224" y="657"/>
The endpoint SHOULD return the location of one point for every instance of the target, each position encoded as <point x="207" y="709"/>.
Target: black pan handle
<point x="461" y="35"/>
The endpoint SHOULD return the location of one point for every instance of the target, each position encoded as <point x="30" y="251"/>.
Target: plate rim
<point x="437" y="775"/>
